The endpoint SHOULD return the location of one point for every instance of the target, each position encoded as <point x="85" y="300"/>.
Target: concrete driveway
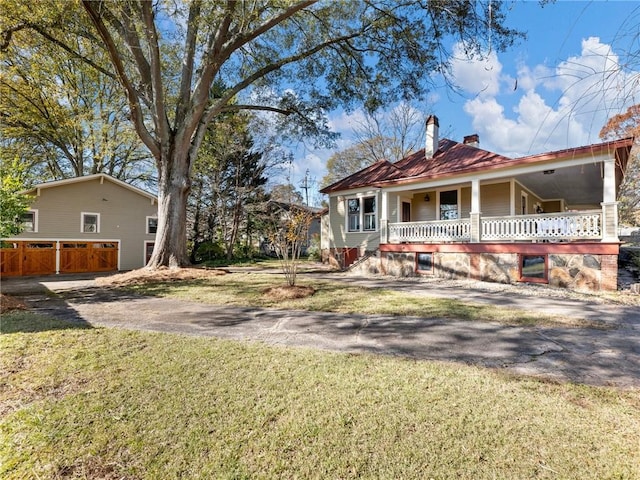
<point x="583" y="355"/>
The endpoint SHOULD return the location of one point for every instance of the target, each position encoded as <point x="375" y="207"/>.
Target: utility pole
<point x="305" y="186"/>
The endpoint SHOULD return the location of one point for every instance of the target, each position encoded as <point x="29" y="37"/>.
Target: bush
<point x="210" y="251"/>
<point x="314" y="252"/>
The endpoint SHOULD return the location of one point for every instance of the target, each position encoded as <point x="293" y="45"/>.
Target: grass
<point x="107" y="403"/>
<point x="246" y="289"/>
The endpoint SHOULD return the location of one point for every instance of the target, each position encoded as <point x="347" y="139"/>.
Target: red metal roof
<point x="454" y="158"/>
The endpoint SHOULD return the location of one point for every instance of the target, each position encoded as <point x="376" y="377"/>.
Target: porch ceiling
<point x="578" y="185"/>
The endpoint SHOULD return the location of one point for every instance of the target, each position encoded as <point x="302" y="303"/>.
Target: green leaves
<point x="12" y="202"/>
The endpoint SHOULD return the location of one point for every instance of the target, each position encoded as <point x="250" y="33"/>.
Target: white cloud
<point x="476" y="75"/>
<point x="558" y="107"/>
<point x="344" y="122"/>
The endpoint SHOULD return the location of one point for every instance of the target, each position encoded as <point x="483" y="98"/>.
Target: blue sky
<point x="554" y="90"/>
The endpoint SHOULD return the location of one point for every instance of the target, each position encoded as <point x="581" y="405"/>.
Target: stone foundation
<point x="580" y="272"/>
<point x="584" y="271"/>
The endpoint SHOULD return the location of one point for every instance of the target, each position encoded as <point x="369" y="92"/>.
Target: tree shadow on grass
<point x="35" y="308"/>
<point x="25" y="321"/>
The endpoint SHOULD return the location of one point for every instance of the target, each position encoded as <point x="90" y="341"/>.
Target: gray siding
<point x="122" y="212"/>
<point x="338" y="235"/>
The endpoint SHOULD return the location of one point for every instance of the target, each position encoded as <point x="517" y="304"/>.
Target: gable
<point x="101" y="178"/>
<point x="60" y="207"/>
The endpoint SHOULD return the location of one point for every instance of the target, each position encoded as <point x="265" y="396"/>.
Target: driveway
<point x="590" y="356"/>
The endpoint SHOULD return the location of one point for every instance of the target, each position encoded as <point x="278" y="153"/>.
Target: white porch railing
<point x="586" y="225"/>
<point x="438" y="231"/>
<point x="548" y="226"/>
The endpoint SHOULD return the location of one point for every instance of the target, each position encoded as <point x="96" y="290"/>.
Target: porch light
<point x="427" y="198"/>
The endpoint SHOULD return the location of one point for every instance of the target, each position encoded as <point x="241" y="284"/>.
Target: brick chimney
<point x="431" y="146"/>
<point x="472" y="140"/>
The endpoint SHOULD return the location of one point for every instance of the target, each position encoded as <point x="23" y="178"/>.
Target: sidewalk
<point x="596" y="357"/>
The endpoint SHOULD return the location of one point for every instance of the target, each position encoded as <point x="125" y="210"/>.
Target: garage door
<point x="39" y="257"/>
<point x="104" y="257"/>
<point x="28" y="258"/>
<point x="80" y="257"/>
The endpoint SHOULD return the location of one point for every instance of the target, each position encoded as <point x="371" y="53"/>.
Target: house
<point x="454" y="210"/>
<point x="94" y="223"/>
<point x="281" y="212"/>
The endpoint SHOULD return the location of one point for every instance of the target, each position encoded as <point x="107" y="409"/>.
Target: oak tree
<point x="298" y="58"/>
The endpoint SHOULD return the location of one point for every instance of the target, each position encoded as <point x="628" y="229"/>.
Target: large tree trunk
<point x="174" y="184"/>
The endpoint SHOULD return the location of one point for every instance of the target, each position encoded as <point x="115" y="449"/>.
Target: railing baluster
<point x="564" y="226"/>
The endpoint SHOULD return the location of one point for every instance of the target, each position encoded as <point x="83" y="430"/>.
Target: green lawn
<point x="108" y="403"/>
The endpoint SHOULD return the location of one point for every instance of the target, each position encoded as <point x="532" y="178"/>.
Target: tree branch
<point x="188" y="61"/>
<point x="8" y="34"/>
<point x="132" y="96"/>
<point x="265" y="108"/>
<point x="129" y="34"/>
<point x="160" y="112"/>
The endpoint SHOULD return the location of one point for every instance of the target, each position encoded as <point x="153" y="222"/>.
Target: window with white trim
<point x="353" y="209"/>
<point x="369" y="213"/>
<point x="29" y="221"/>
<point x="90" y="222"/>
<point x="362" y="214"/>
<point x="152" y="225"/>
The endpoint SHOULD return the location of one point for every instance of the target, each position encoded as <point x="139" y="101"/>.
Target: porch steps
<point x="367" y="255"/>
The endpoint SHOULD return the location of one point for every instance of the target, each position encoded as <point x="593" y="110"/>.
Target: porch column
<point x="609" y="204"/>
<point x="384" y="217"/>
<point x="475" y="214"/>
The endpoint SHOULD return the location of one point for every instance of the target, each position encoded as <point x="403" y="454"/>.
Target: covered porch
<point x="574" y="203"/>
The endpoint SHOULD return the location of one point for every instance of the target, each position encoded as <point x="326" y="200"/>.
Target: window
<point x="370" y="213"/>
<point x="361" y="214"/>
<point x="90" y="222"/>
<point x="28" y="220"/>
<point x="533" y="268"/>
<point x="424" y="262"/>
<point x="449" y="205"/>
<point x="152" y="225"/>
<point x="354" y="214"/>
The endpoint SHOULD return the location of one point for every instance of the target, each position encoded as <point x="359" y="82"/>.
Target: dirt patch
<point x="9" y="303"/>
<point x="143" y="275"/>
<point x="288" y="292"/>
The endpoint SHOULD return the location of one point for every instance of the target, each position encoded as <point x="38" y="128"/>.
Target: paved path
<point x="596" y="357"/>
